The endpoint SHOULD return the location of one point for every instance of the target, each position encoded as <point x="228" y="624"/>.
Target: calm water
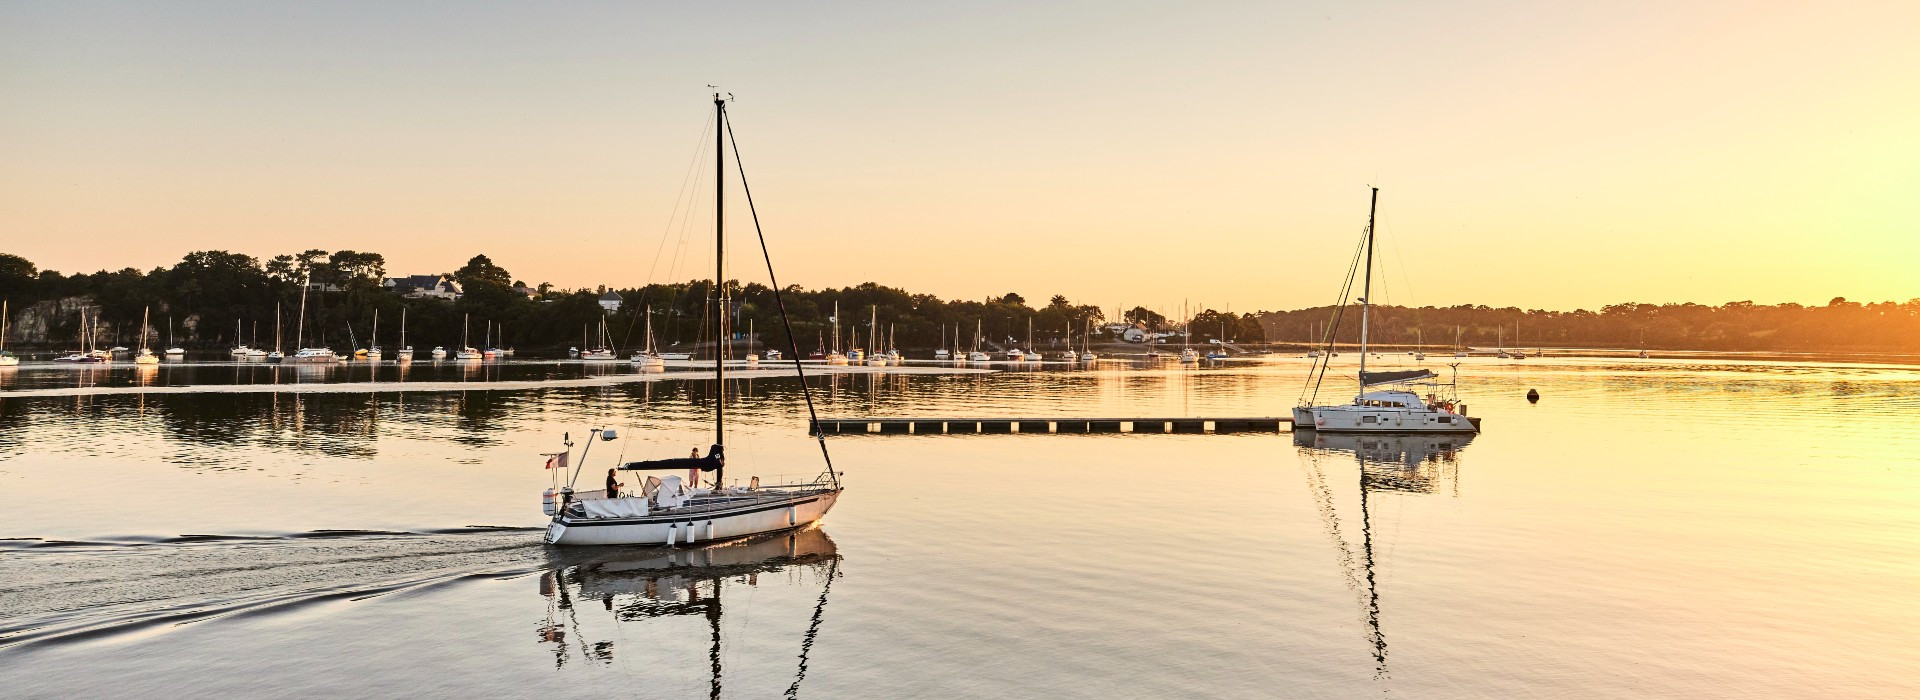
<point x="1649" y="528"/>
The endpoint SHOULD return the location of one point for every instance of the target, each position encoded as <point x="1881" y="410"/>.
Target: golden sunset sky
<point x="1542" y="155"/>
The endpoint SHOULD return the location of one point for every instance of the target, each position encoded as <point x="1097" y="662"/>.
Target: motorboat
<point x="439" y="353"/>
<point x="315" y="356"/>
<point x="667" y="510"/>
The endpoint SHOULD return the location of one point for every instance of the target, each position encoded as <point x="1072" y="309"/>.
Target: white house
<point x="610" y="302"/>
<point x="424" y="286"/>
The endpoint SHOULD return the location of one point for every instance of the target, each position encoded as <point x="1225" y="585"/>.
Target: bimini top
<point x="1374" y="378"/>
<point x="715" y="459"/>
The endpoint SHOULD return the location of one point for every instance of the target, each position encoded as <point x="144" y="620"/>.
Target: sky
<point x="1540" y="155"/>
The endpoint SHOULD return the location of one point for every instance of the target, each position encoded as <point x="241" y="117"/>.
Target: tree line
<point x="199" y="302"/>
<point x="1733" y="326"/>
<point x="203" y="296"/>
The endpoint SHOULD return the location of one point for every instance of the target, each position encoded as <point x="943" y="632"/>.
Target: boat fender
<point x="792" y="516"/>
<point x="671" y="531"/>
<point x="709" y="529"/>
<point x="692" y="534"/>
<point x="546" y="501"/>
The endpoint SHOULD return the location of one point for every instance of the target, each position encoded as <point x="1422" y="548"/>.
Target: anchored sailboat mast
<point x="1366" y="291"/>
<point x="719" y="284"/>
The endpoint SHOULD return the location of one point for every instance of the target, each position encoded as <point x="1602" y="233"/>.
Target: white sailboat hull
<point x="668" y="528"/>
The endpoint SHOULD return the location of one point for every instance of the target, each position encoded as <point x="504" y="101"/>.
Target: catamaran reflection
<point x="636" y="585"/>
<point x="1405" y="463"/>
<point x="1419" y="463"/>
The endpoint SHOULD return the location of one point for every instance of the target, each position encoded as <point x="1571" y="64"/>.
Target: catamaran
<point x="1396" y="407"/>
<point x="667" y="510"/>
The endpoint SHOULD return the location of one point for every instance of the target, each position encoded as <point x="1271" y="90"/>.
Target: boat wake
<point x="59" y="592"/>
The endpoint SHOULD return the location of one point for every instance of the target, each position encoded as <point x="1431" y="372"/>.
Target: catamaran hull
<point x="670" y="529"/>
<point x="1346" y="419"/>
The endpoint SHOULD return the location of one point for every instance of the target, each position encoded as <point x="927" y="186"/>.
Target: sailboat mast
<point x="719" y="277"/>
<point x="1366" y="291"/>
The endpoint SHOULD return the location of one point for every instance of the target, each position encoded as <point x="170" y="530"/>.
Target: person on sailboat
<point x="613" y="483"/>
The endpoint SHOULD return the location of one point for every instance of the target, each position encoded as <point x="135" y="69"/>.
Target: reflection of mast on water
<point x="685" y="582"/>
<point x="1410" y="463"/>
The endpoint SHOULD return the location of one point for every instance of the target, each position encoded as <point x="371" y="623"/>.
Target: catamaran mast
<point x="719" y="277"/>
<point x="1366" y="291"/>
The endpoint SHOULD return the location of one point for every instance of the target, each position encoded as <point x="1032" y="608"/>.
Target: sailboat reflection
<point x="1404" y="463"/>
<point x="641" y="584"/>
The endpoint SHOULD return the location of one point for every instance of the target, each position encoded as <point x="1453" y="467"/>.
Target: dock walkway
<point x="943" y="426"/>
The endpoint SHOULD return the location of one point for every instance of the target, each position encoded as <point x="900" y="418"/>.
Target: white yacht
<point x="439" y="353"/>
<point x="1406" y="401"/>
<point x="667" y="510"/>
<point x="315" y="356"/>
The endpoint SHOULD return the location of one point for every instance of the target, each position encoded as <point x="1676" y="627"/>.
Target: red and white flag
<point x="557" y="460"/>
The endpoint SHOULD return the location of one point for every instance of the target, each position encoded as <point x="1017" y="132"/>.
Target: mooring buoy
<point x="1533" y="396"/>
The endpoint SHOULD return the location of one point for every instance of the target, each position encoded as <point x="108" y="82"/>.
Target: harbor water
<point x="1703" y="527"/>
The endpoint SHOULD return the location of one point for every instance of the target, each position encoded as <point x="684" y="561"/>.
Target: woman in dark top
<point x="613" y="485"/>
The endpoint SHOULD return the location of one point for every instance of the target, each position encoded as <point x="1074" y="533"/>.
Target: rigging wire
<point x="1320" y="364"/>
<point x="779" y="300"/>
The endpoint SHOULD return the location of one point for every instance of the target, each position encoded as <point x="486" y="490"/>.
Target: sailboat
<point x="1458" y="349"/>
<point x="1219" y="353"/>
<point x="1066" y="337"/>
<point x="174" y="352"/>
<point x="276" y="355"/>
<point x="666" y="510"/>
<point x="239" y="351"/>
<point x="1033" y="355"/>
<point x="7" y="359"/>
<point x="753" y="360"/>
<point x="373" y="341"/>
<point x="488" y="351"/>
<point x="467" y="352"/>
<point x="1086" y="343"/>
<point x="88" y="354"/>
<point x="647" y="358"/>
<point x="405" y="354"/>
<point x="600" y="350"/>
<point x="306" y="355"/>
<point x="941" y="353"/>
<point x="1396" y="408"/>
<point x="877" y="358"/>
<point x="145" y="356"/>
<point x="834" y="356"/>
<point x="1187" y="354"/>
<point x="977" y="355"/>
<point x="254" y="351"/>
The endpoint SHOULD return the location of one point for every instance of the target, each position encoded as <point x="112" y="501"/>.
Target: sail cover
<point x="1372" y="378"/>
<point x="715" y="459"/>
